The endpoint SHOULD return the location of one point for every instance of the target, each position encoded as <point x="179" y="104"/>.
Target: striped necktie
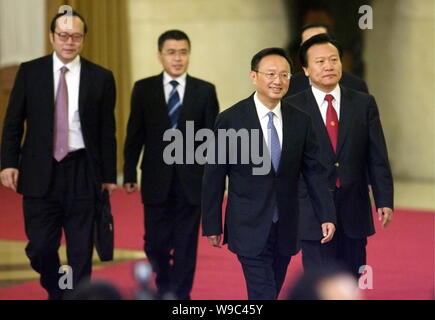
<point x="174" y="104"/>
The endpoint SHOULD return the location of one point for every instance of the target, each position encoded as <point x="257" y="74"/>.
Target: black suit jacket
<point x="147" y="123"/>
<point x="32" y="102"/>
<point x="251" y="198"/>
<point x="361" y="149"/>
<point x="300" y="82"/>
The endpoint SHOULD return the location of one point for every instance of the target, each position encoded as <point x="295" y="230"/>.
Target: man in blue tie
<point x="261" y="219"/>
<point x="171" y="193"/>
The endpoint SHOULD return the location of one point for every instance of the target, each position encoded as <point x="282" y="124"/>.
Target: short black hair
<point x="269" y="52"/>
<point x="74" y="14"/>
<point x="172" y="35"/>
<point x="317" y="39"/>
<point x="315" y="25"/>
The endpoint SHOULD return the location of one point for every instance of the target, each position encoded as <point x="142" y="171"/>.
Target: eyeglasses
<point x="273" y="75"/>
<point x="64" y="36"/>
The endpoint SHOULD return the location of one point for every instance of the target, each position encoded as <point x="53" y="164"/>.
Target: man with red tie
<point x="353" y="148"/>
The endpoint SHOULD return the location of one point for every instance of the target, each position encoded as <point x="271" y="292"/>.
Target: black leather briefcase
<point x="104" y="231"/>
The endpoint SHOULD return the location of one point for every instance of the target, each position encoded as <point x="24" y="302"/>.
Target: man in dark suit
<point x="68" y="154"/>
<point x="261" y="220"/>
<point x="300" y="81"/>
<point x="353" y="148"/>
<point x="171" y="192"/>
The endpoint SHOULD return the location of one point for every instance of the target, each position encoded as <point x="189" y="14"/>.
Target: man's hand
<point x="388" y="216"/>
<point x="9" y="178"/>
<point x="215" y="241"/>
<point x="131" y="187"/>
<point x="110" y="187"/>
<point x="328" y="230"/>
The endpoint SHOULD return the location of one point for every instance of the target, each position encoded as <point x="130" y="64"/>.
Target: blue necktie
<point x="275" y="153"/>
<point x="174" y="104"/>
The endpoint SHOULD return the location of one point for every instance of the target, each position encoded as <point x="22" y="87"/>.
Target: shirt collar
<point x="263" y="111"/>
<point x="320" y="95"/>
<point x="181" y="79"/>
<point x="73" y="66"/>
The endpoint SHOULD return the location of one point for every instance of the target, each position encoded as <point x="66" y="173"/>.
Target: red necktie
<point x="332" y="126"/>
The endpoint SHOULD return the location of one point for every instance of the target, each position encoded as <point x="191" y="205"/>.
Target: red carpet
<point x="401" y="256"/>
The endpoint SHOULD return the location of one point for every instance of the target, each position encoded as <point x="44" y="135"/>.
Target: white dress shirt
<point x="167" y="86"/>
<point x="72" y="78"/>
<point x="323" y="104"/>
<point x="262" y="112"/>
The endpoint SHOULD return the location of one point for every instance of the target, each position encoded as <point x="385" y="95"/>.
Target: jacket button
<point x="336" y="164"/>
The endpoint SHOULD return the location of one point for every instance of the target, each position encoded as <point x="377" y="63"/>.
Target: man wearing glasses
<point x="261" y="220"/>
<point x="68" y="155"/>
<point x="171" y="192"/>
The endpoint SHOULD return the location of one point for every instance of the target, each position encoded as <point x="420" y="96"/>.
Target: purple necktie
<point x="60" y="130"/>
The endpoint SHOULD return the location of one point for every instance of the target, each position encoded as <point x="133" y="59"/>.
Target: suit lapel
<point x="188" y="100"/>
<point x="345" y="118"/>
<point x="85" y="82"/>
<point x="286" y="135"/>
<point x="251" y="117"/>
<point x="251" y="122"/>
<point x="47" y="83"/>
<point x="161" y="107"/>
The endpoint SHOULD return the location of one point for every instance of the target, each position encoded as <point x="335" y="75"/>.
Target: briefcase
<point x="104" y="231"/>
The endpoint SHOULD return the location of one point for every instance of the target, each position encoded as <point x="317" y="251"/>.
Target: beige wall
<point x="400" y="73"/>
<point x="22" y="31"/>
<point x="225" y="34"/>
